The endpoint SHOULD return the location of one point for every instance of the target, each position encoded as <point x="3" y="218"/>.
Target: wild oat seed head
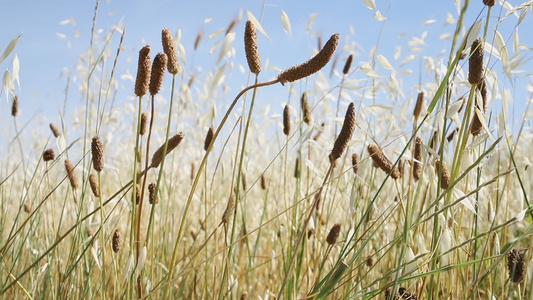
<point x="347" y="65"/>
<point x="173" y="142"/>
<point x="489" y="2"/>
<point x="209" y="137"/>
<point x="475" y="62"/>
<point x="417" y="167"/>
<point x="93" y="182"/>
<point x="49" y="155"/>
<point x="173" y="65"/>
<point x="15" y="106"/>
<point x="228" y="213"/>
<point x="355" y="162"/>
<point x="144" y="123"/>
<point x="515" y="264"/>
<point x="381" y="161"/>
<point x="55" y="131"/>
<point x="305" y="109"/>
<point x="418" y="105"/>
<point x="345" y="135"/>
<point x="152" y="197"/>
<point x="117" y="241"/>
<point x="143" y="71"/>
<point x="333" y="234"/>
<point x="97" y="151"/>
<point x="158" y="72"/>
<point x="286" y="120"/>
<point x="313" y="65"/>
<point x="71" y="174"/>
<point x="250" y="47"/>
<point x="445" y="178"/>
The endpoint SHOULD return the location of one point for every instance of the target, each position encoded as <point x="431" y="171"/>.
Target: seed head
<point x="97" y="150"/>
<point x="198" y="39"/>
<point x="55" y="131"/>
<point x="475" y="63"/>
<point x="418" y="105"/>
<point x="49" y="155"/>
<point x="244" y="296"/>
<point x="347" y="65"/>
<point x="297" y="168"/>
<point x="173" y="142"/>
<point x="27" y="206"/>
<point x="355" y="162"/>
<point x="264" y="183"/>
<point x="489" y="2"/>
<point x="333" y="234"/>
<point x="158" y="72"/>
<point x="286" y="120"/>
<point x="117" y="241"/>
<point x="144" y="122"/>
<point x="515" y="264"/>
<point x="417" y="167"/>
<point x="15" y="106"/>
<point x="305" y="109"/>
<point x="71" y="175"/>
<point x="93" y="182"/>
<point x="209" y="137"/>
<point x="228" y="213"/>
<point x="137" y="191"/>
<point x="345" y="134"/>
<point x="250" y="47"/>
<point x="173" y="65"/>
<point x="381" y="161"/>
<point x="143" y="71"/>
<point x="406" y="295"/>
<point x="313" y="65"/>
<point x="445" y="177"/>
<point x="476" y="126"/>
<point x="152" y="196"/>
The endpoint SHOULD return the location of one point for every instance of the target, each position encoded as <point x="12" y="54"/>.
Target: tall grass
<point x="410" y="195"/>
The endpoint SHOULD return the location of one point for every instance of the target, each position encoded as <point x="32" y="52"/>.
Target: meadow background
<point x="74" y="65"/>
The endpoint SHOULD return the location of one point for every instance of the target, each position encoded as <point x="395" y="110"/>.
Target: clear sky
<point x="49" y="44"/>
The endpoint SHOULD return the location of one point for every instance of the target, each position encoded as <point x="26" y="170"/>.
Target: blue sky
<point x="47" y="47"/>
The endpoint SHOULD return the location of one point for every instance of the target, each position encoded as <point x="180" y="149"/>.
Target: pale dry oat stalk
<point x="313" y="65"/>
<point x="250" y="47"/>
<point x="143" y="71"/>
<point x="476" y="126"/>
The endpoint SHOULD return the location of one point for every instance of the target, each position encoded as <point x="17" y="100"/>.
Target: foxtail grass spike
<point x="209" y="137"/>
<point x="406" y="295"/>
<point x="475" y="63"/>
<point x="313" y="65"/>
<point x="250" y="47"/>
<point x="381" y="161"/>
<point x="73" y="179"/>
<point x="228" y="213"/>
<point x="144" y="123"/>
<point x="173" y="65"/>
<point x="198" y="39"/>
<point x="418" y="105"/>
<point x="158" y="72"/>
<point x="93" y="182"/>
<point x="143" y="71"/>
<point x="345" y="134"/>
<point x="286" y="120"/>
<point x="515" y="264"/>
<point x="417" y="166"/>
<point x="445" y="177"/>
<point x="15" y="106"/>
<point x="97" y="151"/>
<point x="49" y="155"/>
<point x="347" y="65"/>
<point x="305" y="109"/>
<point x="173" y="142"/>
<point x="152" y="196"/>
<point x="355" y="162"/>
<point x="489" y="2"/>
<point x="117" y="241"/>
<point x="333" y="234"/>
<point x="55" y="130"/>
<point x="264" y="183"/>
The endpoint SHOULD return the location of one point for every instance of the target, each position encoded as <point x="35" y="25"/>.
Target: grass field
<point x="351" y="189"/>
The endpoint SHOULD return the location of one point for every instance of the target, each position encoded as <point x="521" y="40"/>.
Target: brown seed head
<point x="355" y="162"/>
<point x="27" y="206"/>
<point x="209" y="137"/>
<point x="305" y="109"/>
<point x="418" y="105"/>
<point x="476" y="126"/>
<point x="158" y="72"/>
<point x="49" y="155"/>
<point x="417" y="167"/>
<point x="173" y="142"/>
<point x="286" y="120"/>
<point x="313" y="65"/>
<point x="143" y="71"/>
<point x="198" y="39"/>
<point x="173" y="65"/>
<point x="406" y="295"/>
<point x="390" y="296"/>
<point x="117" y="241"/>
<point x="152" y="196"/>
<point x="297" y="168"/>
<point x="515" y="264"/>
<point x="144" y="123"/>
<point x="97" y="150"/>
<point x="347" y="65"/>
<point x="345" y="134"/>
<point x="231" y="25"/>
<point x="333" y="234"/>
<point x="250" y="47"/>
<point x="381" y="161"/>
<point x="228" y="213"/>
<point x="264" y="183"/>
<point x="244" y="296"/>
<point x="445" y="177"/>
<point x="55" y="131"/>
<point x="489" y="2"/>
<point x="71" y="174"/>
<point x="137" y="191"/>
<point x="93" y="182"/>
<point x="15" y="106"/>
<point x="475" y="62"/>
